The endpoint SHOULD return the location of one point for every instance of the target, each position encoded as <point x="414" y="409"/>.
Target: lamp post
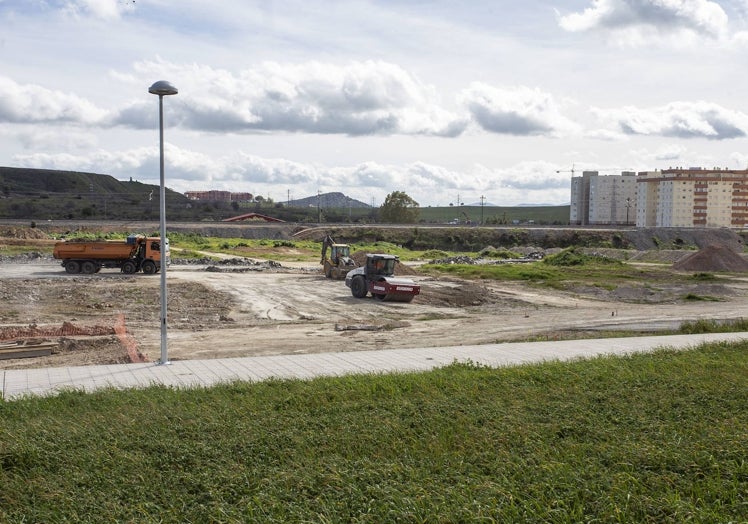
<point x="162" y="88"/>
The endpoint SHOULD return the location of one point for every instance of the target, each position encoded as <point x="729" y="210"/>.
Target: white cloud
<point x="362" y="98"/>
<point x="33" y="138"/>
<point x="29" y="103"/>
<point x="606" y="134"/>
<point x="740" y="39"/>
<point x="739" y="160"/>
<point x="102" y="9"/>
<point x="516" y="111"/>
<point x="679" y="119"/>
<point x="670" y="152"/>
<point x="674" y="155"/>
<point x="636" y="22"/>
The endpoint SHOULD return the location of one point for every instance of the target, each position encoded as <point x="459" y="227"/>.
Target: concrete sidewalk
<point x="205" y="373"/>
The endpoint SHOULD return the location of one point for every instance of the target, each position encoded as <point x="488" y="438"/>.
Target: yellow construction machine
<point x="339" y="263"/>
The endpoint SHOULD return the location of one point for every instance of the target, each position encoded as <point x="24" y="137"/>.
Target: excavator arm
<point x="326" y="243"/>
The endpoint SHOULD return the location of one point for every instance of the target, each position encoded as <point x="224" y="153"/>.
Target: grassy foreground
<point x="645" y="438"/>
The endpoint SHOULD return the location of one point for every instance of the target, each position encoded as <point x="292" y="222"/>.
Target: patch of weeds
<point x="432" y="254"/>
<point x="573" y="257"/>
<point x="702" y="277"/>
<point x="186" y="253"/>
<point x="702" y="325"/>
<point x="499" y="254"/>
<point x="704" y="298"/>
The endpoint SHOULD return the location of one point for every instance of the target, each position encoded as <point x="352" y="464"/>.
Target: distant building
<point x="603" y="199"/>
<point x="219" y="196"/>
<point x="693" y="197"/>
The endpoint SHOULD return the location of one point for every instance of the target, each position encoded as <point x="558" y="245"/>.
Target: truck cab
<point x="149" y="255"/>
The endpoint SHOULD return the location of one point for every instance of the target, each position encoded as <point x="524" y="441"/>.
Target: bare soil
<point x="263" y="309"/>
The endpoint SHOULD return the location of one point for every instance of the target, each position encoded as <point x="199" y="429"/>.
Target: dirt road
<point x="260" y="310"/>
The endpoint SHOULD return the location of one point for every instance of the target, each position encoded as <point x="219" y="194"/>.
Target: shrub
<point x="432" y="254"/>
<point x="502" y="254"/>
<point x="572" y="257"/>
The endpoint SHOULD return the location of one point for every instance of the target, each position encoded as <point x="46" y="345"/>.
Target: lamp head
<point x="162" y="88"/>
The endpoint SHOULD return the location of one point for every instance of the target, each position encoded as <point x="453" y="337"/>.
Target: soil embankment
<point x="449" y="238"/>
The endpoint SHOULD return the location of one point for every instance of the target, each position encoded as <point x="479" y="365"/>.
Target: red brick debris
<point x="68" y="329"/>
<point x="128" y="341"/>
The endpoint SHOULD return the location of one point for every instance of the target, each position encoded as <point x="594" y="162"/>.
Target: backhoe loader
<point x="339" y="263"/>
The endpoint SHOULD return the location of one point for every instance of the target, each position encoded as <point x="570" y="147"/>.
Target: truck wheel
<point x="358" y="287"/>
<point x="72" y="267"/>
<point x="128" y="268"/>
<point x="88" y="267"/>
<point x="149" y="267"/>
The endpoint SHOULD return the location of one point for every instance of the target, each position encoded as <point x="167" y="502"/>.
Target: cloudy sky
<point x="442" y="99"/>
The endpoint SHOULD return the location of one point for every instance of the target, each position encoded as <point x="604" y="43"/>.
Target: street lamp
<point x="162" y="88"/>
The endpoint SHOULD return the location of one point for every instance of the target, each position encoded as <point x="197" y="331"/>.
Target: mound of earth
<point x="713" y="258"/>
<point x="23" y="233"/>
<point x="400" y="268"/>
<point x="461" y="294"/>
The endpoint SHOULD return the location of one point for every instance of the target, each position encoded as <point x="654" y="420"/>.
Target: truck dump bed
<point x="92" y="250"/>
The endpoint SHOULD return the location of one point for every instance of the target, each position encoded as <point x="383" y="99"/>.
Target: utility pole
<point x="319" y="209"/>
<point x="482" y="203"/>
<point x="628" y="205"/>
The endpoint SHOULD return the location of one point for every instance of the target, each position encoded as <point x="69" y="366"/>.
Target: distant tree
<point x="399" y="208"/>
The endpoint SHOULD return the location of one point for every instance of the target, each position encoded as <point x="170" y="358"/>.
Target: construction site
<point x="241" y="307"/>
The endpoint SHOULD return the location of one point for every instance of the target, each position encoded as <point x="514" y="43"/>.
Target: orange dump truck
<point x="136" y="253"/>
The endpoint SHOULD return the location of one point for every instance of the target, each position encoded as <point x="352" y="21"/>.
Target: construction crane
<point x="596" y="169"/>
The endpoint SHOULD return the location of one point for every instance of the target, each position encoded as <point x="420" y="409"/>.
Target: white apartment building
<point x="603" y="199"/>
<point x="693" y="197"/>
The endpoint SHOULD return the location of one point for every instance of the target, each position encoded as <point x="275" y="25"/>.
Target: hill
<point x="17" y="181"/>
<point x="328" y="200"/>
<point x="47" y="194"/>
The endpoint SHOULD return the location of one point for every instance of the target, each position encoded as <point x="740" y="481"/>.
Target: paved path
<point x="205" y="373"/>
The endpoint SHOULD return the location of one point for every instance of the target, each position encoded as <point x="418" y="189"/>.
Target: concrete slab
<point x="205" y="373"/>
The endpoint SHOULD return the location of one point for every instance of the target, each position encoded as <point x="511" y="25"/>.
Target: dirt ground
<point x="232" y="311"/>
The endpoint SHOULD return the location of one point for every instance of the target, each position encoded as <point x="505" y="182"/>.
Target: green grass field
<point x="645" y="438"/>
